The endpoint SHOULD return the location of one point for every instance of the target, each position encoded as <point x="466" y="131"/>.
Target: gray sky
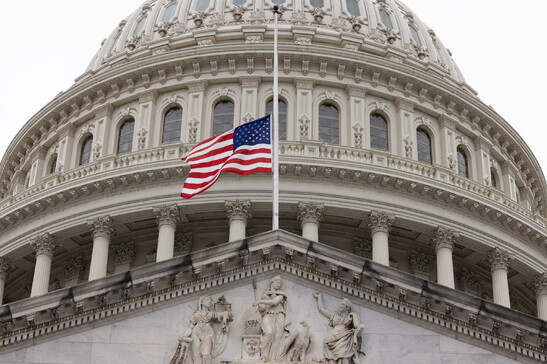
<point x="498" y="46"/>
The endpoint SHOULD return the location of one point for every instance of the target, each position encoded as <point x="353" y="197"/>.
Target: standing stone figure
<point x="272" y="308"/>
<point x="343" y="346"/>
<point x="203" y="341"/>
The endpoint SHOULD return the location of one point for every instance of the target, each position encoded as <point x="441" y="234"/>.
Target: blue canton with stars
<point x="253" y="133"/>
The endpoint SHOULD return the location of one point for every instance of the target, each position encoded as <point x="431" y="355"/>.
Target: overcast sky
<point x="498" y="45"/>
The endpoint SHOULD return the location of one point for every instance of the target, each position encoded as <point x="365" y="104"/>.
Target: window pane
<point x="114" y="43"/>
<point x="438" y="52"/>
<point x="378" y="132"/>
<point x="353" y="7"/>
<point x="202" y="5"/>
<point x="53" y="165"/>
<point x="424" y="146"/>
<point x="169" y="12"/>
<point x="85" y="151"/>
<point x="223" y="119"/>
<point x="414" y="34"/>
<point x="282" y="113"/>
<point x="278" y="2"/>
<point x="317" y="3"/>
<point x="239" y="2"/>
<point x="172" y="124"/>
<point x="329" y="124"/>
<point x="386" y="18"/>
<point x="463" y="168"/>
<point x="140" y="26"/>
<point x="493" y="179"/>
<point x="125" y="137"/>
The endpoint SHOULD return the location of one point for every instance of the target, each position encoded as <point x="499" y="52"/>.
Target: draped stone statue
<point x="272" y="309"/>
<point x="206" y="337"/>
<point x="344" y="344"/>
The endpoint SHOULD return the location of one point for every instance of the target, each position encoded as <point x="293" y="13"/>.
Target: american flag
<point x="244" y="150"/>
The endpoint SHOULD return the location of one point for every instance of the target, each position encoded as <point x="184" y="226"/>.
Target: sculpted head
<point x="345" y="306"/>
<point x="275" y="282"/>
<point x="205" y="302"/>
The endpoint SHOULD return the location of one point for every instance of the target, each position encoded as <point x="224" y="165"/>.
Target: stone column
<point x="499" y="264"/>
<point x="238" y="212"/>
<point x="103" y="229"/>
<point x="167" y="217"/>
<point x="310" y="214"/>
<point x="43" y="245"/>
<point x="74" y="270"/>
<point x="380" y="224"/>
<point x="6" y="267"/>
<point x="539" y="286"/>
<point x="443" y="240"/>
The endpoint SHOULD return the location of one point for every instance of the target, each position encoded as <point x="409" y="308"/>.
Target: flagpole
<point x="275" y="132"/>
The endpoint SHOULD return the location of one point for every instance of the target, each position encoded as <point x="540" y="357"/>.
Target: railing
<point x="288" y="151"/>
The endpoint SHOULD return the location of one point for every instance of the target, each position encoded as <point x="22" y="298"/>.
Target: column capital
<point x="362" y="247"/>
<point x="183" y="243"/>
<point x="499" y="259"/>
<point x="6" y="267"/>
<point x="444" y="238"/>
<point x="379" y="221"/>
<point x="167" y="214"/>
<point x="420" y="262"/>
<point x="74" y="268"/>
<point x="538" y="284"/>
<point x="310" y="212"/>
<point x="103" y="226"/>
<point x="238" y="210"/>
<point x="468" y="280"/>
<point x="124" y="253"/>
<point x="44" y="244"/>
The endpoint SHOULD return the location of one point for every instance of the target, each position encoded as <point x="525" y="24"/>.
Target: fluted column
<point x="238" y="212"/>
<point x="103" y="229"/>
<point x="167" y="217"/>
<point x="380" y="225"/>
<point x="443" y="240"/>
<point x="310" y="215"/>
<point x="499" y="264"/>
<point x="43" y="245"/>
<point x="6" y="267"/>
<point x="539" y="286"/>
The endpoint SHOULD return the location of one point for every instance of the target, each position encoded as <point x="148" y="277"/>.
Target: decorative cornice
<point x="238" y="210"/>
<point x="538" y="284"/>
<point x="379" y="221"/>
<point x="499" y="259"/>
<point x="167" y="214"/>
<point x="310" y="212"/>
<point x="6" y="268"/>
<point x="74" y="268"/>
<point x="44" y="244"/>
<point x="444" y="238"/>
<point x="103" y="226"/>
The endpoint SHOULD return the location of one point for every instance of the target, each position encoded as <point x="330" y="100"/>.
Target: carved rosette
<point x="74" y="268"/>
<point x="238" y="210"/>
<point x="468" y="281"/>
<point x="499" y="259"/>
<point x="444" y="238"/>
<point x="310" y="212"/>
<point x="124" y="253"/>
<point x="183" y="243"/>
<point x="6" y="267"/>
<point x="167" y="215"/>
<point x="362" y="247"/>
<point x="44" y="244"/>
<point x="380" y="222"/>
<point x="538" y="284"/>
<point x="420" y="262"/>
<point x="102" y="226"/>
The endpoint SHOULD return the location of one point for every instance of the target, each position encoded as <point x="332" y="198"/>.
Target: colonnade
<point x="238" y="212"/>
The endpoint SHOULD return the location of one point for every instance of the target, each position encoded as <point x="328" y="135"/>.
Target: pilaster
<point x="304" y="108"/>
<point x="74" y="271"/>
<point x="124" y="254"/>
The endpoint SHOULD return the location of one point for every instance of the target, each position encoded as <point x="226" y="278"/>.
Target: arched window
<point x="202" y="5"/>
<point x="53" y="164"/>
<point x="386" y="18"/>
<point x="282" y="113"/>
<point x="140" y="26"/>
<point x="125" y="137"/>
<point x="85" y="150"/>
<point x="317" y="3"/>
<point x="169" y="12"/>
<point x="278" y="2"/>
<point x="172" y="124"/>
<point x="114" y="43"/>
<point x="493" y="178"/>
<point x="424" y="146"/>
<point x="353" y="7"/>
<point x="329" y="124"/>
<point x="463" y="165"/>
<point x="223" y="117"/>
<point x="438" y="52"/>
<point x="378" y="132"/>
<point x="239" y="2"/>
<point x="414" y="34"/>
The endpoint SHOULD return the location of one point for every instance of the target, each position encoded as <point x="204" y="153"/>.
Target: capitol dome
<point x="395" y="178"/>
